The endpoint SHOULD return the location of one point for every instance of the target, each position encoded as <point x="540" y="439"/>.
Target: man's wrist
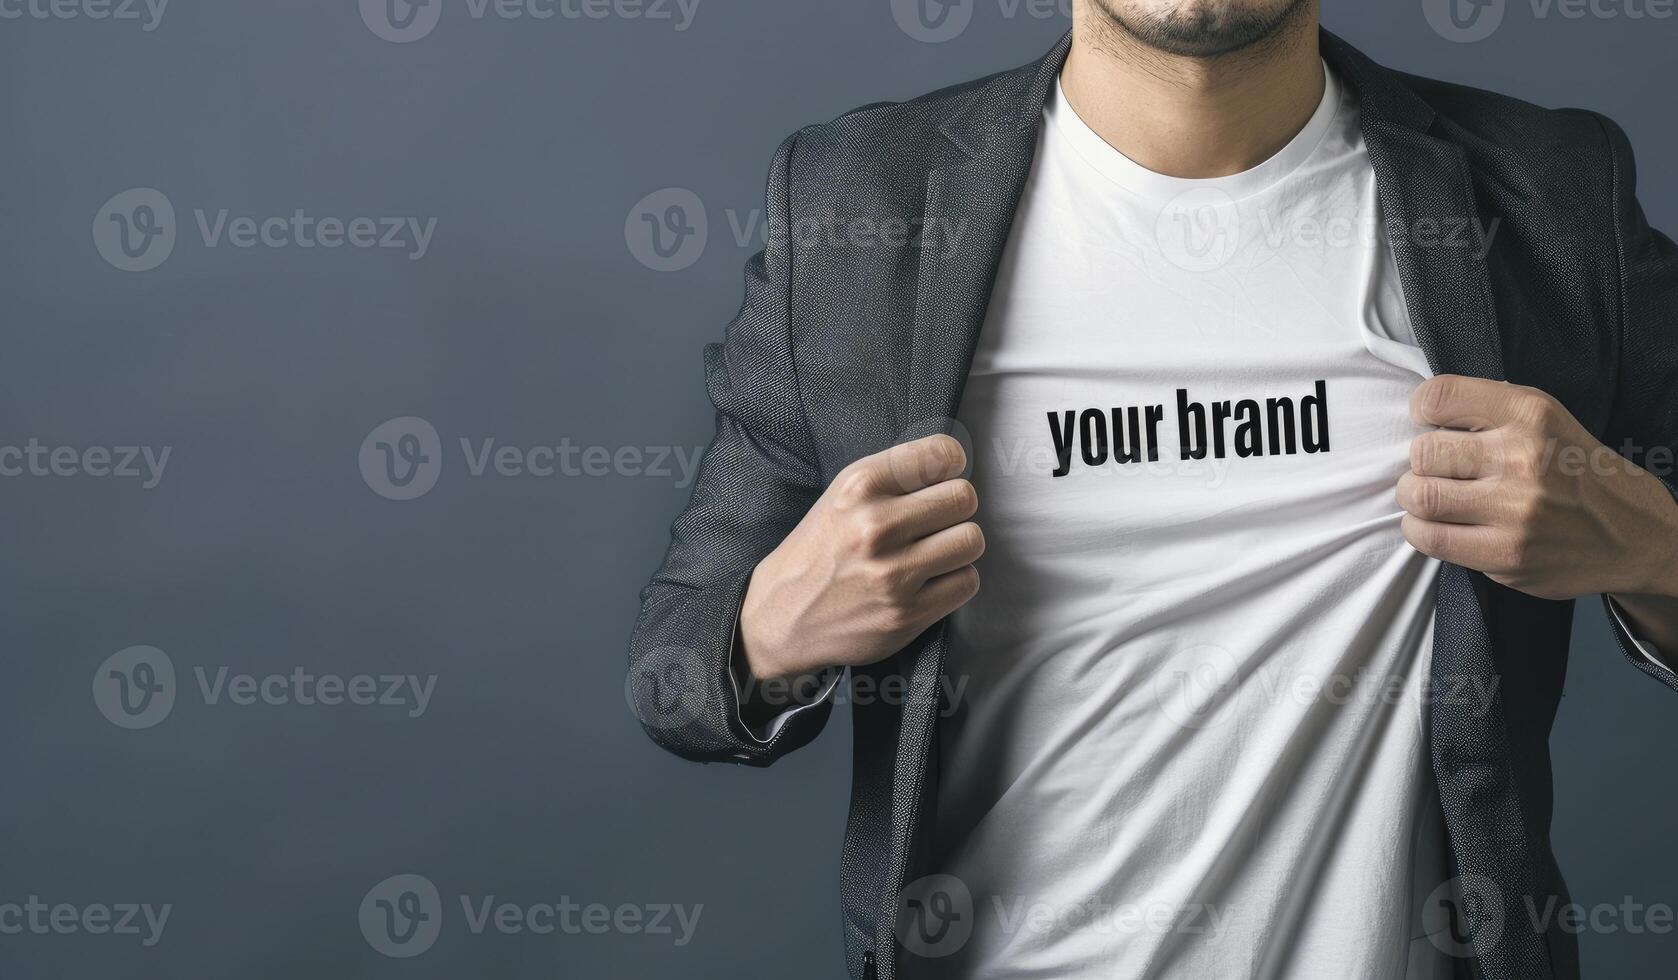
<point x="761" y="700"/>
<point x="1659" y="546"/>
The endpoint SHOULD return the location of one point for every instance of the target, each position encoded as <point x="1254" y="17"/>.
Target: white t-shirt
<point x="1188" y="733"/>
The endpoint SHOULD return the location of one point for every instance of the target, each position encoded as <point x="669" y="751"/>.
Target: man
<point x="1300" y="399"/>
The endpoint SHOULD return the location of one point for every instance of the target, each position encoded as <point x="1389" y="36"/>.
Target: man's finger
<point x="1457" y="402"/>
<point x="1469" y="545"/>
<point x="946" y="550"/>
<point x="911" y="466"/>
<point x="948" y="592"/>
<point x="1433" y="498"/>
<point x="928" y="510"/>
<point x="1454" y="454"/>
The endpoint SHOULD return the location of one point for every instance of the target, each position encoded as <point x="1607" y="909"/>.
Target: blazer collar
<point x="1437" y="232"/>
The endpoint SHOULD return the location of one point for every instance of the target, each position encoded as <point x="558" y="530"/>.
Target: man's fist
<point x="1510" y="484"/>
<point x="886" y="552"/>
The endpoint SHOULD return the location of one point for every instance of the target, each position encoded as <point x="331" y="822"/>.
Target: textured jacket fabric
<point x="1523" y="256"/>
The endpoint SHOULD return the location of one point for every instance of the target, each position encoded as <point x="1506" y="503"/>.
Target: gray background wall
<point x="528" y="320"/>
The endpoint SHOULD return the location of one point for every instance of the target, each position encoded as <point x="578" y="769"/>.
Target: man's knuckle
<point x="1424" y="452"/>
<point x="1526" y="460"/>
<point x="1435" y="395"/>
<point x="903" y="613"/>
<point x="1533" y="408"/>
<point x="1423" y="498"/>
<point x="1529" y="513"/>
<point x="869" y="533"/>
<point x="1424" y="537"/>
<point x="852" y="481"/>
<point x="1515" y="551"/>
<point x="885" y="577"/>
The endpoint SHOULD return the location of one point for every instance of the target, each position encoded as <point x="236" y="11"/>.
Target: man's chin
<point x="1206" y="31"/>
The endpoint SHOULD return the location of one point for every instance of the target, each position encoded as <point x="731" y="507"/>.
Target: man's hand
<point x="886" y="552"/>
<point x="1511" y="485"/>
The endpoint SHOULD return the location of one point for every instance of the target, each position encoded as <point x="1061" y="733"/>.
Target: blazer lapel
<point x="968" y="214"/>
<point x="1438" y="242"/>
<point x="1432" y="222"/>
<point x="966" y="219"/>
<point x="1437" y="238"/>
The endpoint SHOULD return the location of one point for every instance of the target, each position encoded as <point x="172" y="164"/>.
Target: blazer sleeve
<point x="1643" y="424"/>
<point x="756" y="480"/>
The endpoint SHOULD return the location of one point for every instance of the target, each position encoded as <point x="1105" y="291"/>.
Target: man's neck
<point x="1190" y="116"/>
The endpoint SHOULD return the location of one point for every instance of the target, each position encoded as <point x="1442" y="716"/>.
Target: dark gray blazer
<point x="855" y="335"/>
